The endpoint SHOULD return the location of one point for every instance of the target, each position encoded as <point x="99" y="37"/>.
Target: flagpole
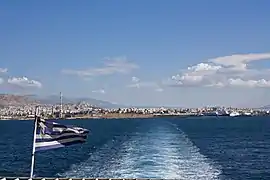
<point x="34" y="143"/>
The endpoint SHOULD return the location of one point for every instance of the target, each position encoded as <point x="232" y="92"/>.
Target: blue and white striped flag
<point x="51" y="135"/>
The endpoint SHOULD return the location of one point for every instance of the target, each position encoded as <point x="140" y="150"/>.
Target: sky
<point x="153" y="53"/>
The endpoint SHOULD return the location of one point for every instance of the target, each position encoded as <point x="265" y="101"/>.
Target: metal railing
<point x="49" y="178"/>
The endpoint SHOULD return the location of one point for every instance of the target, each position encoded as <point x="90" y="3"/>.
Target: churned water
<point x="180" y="148"/>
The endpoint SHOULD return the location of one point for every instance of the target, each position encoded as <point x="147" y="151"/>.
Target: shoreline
<point x="117" y="116"/>
<point x="101" y="116"/>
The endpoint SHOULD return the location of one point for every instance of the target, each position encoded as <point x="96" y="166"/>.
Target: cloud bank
<point x="226" y="71"/>
<point x="24" y="82"/>
<point x="110" y="66"/>
<point x="3" y="70"/>
<point x="137" y="83"/>
<point x="100" y="91"/>
<point x="21" y="82"/>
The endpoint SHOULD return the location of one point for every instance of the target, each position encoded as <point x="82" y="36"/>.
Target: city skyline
<point x="182" y="53"/>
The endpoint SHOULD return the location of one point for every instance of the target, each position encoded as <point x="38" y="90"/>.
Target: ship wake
<point x="161" y="151"/>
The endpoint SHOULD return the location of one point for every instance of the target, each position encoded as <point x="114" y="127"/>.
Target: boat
<point x="211" y="113"/>
<point x="234" y="114"/>
<point x="246" y="114"/>
<point x="222" y="113"/>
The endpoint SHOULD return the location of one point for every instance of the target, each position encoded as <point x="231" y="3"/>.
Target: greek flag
<point x="51" y="135"/>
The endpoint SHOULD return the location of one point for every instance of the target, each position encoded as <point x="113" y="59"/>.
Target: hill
<point x="16" y="100"/>
<point x="55" y="99"/>
<point x="19" y="100"/>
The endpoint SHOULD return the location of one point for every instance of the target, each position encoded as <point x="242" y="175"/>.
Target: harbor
<point x="85" y="110"/>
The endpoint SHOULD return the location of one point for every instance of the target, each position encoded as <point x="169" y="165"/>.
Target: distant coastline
<point x="101" y="116"/>
<point x="116" y="116"/>
<point x="16" y="107"/>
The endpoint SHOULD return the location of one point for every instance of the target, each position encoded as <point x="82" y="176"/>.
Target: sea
<point x="191" y="148"/>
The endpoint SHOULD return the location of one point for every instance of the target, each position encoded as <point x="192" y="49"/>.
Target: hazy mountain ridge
<point x="55" y="99"/>
<point x="20" y="100"/>
<point x="17" y="100"/>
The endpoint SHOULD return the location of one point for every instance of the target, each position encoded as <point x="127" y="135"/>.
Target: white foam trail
<point x="162" y="152"/>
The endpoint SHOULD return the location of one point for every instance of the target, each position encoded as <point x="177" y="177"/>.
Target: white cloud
<point x="239" y="61"/>
<point x="204" y="68"/>
<point x="137" y="83"/>
<point x="135" y="79"/>
<point x="101" y="91"/>
<point x="196" y="75"/>
<point x="3" y="70"/>
<point x="249" y="83"/>
<point x="1" y="80"/>
<point x="159" y="89"/>
<point x="111" y="66"/>
<point x="142" y="84"/>
<point x="24" y="82"/>
<point x="224" y="71"/>
<point x="217" y="84"/>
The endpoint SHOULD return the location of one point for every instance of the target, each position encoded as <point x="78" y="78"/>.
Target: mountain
<point x="16" y="100"/>
<point x="55" y="99"/>
<point x="167" y="107"/>
<point x="99" y="103"/>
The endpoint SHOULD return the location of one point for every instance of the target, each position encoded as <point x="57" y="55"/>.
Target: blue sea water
<point x="182" y="148"/>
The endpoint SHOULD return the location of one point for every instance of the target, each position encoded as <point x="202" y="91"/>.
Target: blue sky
<point x="138" y="52"/>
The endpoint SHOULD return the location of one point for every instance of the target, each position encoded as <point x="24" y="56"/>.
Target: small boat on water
<point x="234" y="114"/>
<point x="216" y="113"/>
<point x="209" y="114"/>
<point x="247" y="114"/>
<point x="222" y="113"/>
